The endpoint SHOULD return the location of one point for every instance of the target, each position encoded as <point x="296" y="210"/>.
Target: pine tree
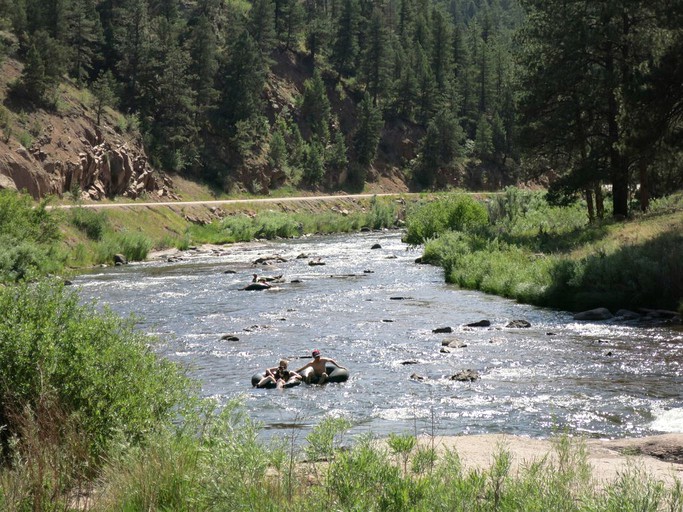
<point x="85" y="38"/>
<point x="439" y="149"/>
<point x="337" y="159"/>
<point x="288" y="22"/>
<point x="317" y="27"/>
<point x="376" y="57"/>
<point x="132" y="41"/>
<point x="241" y="79"/>
<point x="315" y="107"/>
<point x="345" y="46"/>
<point x="103" y="88"/>
<point x="262" y="26"/>
<point x="173" y="129"/>
<point x="365" y="140"/>
<point x="314" y="167"/>
<point x="483" y="142"/>
<point x="203" y="64"/>
<point x="33" y="79"/>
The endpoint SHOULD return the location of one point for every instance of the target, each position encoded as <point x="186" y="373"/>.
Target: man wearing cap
<point x="318" y="365"/>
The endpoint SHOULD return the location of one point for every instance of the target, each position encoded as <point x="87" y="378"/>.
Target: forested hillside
<point x="329" y="94"/>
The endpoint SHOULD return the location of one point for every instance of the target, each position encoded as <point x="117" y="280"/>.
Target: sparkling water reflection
<point x="374" y="310"/>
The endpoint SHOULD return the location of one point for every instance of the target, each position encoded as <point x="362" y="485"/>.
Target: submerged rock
<point x="594" y="314"/>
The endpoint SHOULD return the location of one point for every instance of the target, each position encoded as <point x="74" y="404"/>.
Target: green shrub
<point x="381" y="214"/>
<point x="28" y="238"/>
<point x="457" y="212"/>
<point x="87" y="363"/>
<point x="90" y="222"/>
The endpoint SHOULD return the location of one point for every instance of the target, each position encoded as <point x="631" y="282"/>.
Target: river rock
<point x="269" y="260"/>
<point x="625" y="314"/>
<point x="466" y="376"/>
<point x="518" y="324"/>
<point x="376" y="246"/>
<point x="408" y="362"/>
<point x="442" y="330"/>
<point x="120" y="259"/>
<point x="480" y="323"/>
<point x="453" y="343"/>
<point x="417" y="377"/>
<point x="594" y="314"/>
<point x="229" y="337"/>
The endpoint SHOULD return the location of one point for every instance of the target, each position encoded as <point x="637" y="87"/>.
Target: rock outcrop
<point x="64" y="151"/>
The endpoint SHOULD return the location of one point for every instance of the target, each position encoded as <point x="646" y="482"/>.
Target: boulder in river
<point x="594" y="314"/>
<point x="480" y="323"/>
<point x="120" y="259"/>
<point x="518" y="324"/>
<point x="466" y="376"/>
<point x="442" y="330"/>
<point x="453" y="343"/>
<point x="376" y="246"/>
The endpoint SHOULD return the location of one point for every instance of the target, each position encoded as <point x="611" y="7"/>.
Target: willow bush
<point x="86" y="363"/>
<point x="29" y="237"/>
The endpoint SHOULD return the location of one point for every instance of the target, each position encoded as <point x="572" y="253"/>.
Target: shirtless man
<point x="318" y="365"/>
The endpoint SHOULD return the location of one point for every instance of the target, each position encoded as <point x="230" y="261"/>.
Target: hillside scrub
<point x="549" y="256"/>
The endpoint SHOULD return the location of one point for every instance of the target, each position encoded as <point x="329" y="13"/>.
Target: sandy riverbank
<point x="659" y="457"/>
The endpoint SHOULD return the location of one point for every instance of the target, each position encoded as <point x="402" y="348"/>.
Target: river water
<point x="374" y="311"/>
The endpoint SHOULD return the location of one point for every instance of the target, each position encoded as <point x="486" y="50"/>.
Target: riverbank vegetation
<point x="520" y="246"/>
<point x="94" y="420"/>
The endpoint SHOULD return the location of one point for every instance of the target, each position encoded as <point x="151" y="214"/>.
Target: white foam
<point x="668" y="421"/>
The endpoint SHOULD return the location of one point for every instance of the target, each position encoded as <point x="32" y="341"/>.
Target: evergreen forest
<point x="582" y="95"/>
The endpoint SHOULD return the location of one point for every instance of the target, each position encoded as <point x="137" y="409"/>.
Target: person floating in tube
<point x="279" y="375"/>
<point x="318" y="366"/>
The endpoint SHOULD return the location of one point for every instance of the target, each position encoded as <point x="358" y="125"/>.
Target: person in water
<point x="279" y="375"/>
<point x="318" y="364"/>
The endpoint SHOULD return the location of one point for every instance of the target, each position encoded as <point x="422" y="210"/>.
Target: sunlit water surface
<point x="374" y="311"/>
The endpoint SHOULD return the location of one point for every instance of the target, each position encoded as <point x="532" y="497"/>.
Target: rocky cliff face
<point x="68" y="153"/>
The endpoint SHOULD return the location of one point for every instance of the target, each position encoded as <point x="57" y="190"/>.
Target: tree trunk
<point x="618" y="173"/>
<point x="599" y="204"/>
<point x="644" y="186"/>
<point x="590" y="205"/>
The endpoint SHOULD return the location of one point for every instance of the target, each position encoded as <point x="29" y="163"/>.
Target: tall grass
<point x="222" y="466"/>
<point x="546" y="255"/>
<point x="271" y="225"/>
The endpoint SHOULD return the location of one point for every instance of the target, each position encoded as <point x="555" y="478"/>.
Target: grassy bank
<point x="519" y="246"/>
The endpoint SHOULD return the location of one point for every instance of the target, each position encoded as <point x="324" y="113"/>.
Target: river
<point x="374" y="311"/>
